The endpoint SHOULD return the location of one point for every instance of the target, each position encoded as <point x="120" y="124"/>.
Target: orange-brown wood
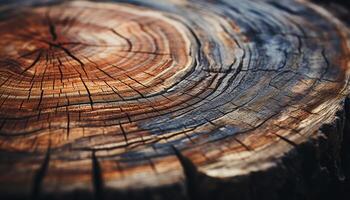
<point x="170" y="100"/>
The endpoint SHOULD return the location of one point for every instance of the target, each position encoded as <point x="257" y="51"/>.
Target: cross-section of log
<point x="150" y="99"/>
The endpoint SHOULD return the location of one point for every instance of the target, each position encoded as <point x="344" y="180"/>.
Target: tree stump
<point x="148" y="99"/>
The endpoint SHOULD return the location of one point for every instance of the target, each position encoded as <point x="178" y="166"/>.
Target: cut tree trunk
<point x="147" y="99"/>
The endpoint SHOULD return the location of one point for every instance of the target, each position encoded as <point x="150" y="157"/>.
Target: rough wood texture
<point x="172" y="99"/>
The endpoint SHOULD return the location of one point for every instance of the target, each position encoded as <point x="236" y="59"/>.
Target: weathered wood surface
<point x="171" y="99"/>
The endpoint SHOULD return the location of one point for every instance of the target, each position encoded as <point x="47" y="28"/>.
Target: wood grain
<point x="170" y="99"/>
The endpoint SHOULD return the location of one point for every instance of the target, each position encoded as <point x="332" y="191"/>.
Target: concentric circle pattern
<point x="120" y="87"/>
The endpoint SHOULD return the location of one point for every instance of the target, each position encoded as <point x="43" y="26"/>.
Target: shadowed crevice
<point x="97" y="178"/>
<point x="39" y="175"/>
